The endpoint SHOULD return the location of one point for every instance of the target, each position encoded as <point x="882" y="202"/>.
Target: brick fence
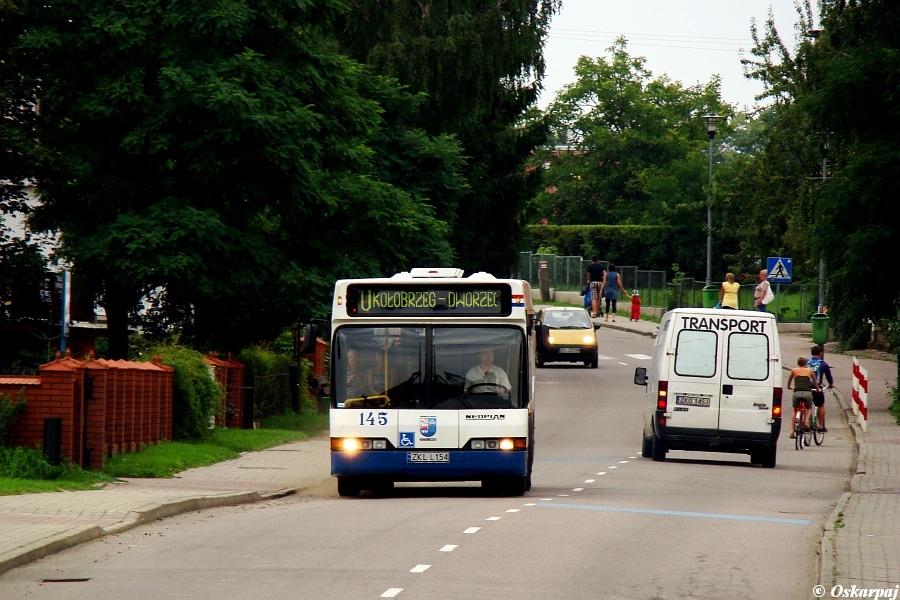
<point x="229" y="374"/>
<point x="104" y="407"/>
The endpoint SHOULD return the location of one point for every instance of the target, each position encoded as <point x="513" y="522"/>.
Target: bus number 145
<point x="370" y="418"/>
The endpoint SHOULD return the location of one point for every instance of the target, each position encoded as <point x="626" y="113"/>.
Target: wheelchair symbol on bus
<point x="407" y="439"/>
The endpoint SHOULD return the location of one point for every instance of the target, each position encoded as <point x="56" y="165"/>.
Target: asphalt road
<point x="600" y="522"/>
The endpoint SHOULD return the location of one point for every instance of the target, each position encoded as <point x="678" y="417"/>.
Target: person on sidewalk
<point x="611" y="284"/>
<point x="804" y="381"/>
<point x="595" y="274"/>
<point x="822" y="370"/>
<point x="728" y="292"/>
<point x="760" y="291"/>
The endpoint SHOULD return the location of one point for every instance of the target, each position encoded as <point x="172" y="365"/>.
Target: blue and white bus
<point x="431" y="381"/>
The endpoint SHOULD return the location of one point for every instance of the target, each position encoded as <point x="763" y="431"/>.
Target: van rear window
<point x="748" y="356"/>
<point x="695" y="353"/>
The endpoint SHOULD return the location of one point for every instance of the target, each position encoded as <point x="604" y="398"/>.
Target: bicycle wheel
<point x="808" y="435"/>
<point x="818" y="434"/>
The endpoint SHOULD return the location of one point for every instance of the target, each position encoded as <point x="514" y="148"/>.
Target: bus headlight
<point x="498" y="444"/>
<point x="356" y="444"/>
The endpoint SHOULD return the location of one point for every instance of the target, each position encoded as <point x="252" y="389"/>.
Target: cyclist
<point x="822" y="370"/>
<point x="804" y="381"/>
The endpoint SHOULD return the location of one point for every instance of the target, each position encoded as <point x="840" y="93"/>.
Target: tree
<point x="479" y="65"/>
<point x="828" y="91"/>
<point x="221" y="155"/>
<point x="852" y="98"/>
<point x="633" y="150"/>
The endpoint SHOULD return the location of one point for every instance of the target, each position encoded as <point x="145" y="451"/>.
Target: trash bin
<point x="710" y="296"/>
<point x="820" y="328"/>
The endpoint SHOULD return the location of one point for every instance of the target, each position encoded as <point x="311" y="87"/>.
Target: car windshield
<point x="439" y="367"/>
<point x="567" y="319"/>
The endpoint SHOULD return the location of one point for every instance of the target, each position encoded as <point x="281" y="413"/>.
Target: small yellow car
<point x="565" y="334"/>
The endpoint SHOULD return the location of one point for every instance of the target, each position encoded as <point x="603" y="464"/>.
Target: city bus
<point x="431" y="380"/>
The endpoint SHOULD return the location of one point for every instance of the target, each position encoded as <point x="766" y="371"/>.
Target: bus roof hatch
<point x="439" y="272"/>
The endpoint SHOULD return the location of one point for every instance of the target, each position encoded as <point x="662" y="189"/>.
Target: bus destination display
<point x="404" y="300"/>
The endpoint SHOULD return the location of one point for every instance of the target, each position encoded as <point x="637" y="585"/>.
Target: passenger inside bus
<point x="357" y="377"/>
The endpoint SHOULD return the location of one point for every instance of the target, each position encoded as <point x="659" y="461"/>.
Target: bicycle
<point x="799" y="431"/>
<point x="817" y="434"/>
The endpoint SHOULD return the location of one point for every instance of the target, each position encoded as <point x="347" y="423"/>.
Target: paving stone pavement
<point x="860" y="545"/>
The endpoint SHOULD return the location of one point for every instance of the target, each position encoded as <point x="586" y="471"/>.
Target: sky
<point x="689" y="40"/>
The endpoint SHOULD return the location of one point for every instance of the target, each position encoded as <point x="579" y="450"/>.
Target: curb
<point x="51" y="545"/>
<point x="827" y="563"/>
<point x="63" y="541"/>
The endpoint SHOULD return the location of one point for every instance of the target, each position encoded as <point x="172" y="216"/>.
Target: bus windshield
<point x="436" y="367"/>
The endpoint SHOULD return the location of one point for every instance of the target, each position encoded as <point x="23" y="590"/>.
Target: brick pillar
<point x="96" y="404"/>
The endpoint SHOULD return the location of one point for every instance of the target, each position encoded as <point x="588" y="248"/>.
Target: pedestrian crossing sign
<point x="779" y="269"/>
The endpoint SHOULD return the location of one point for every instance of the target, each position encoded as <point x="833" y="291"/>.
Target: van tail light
<point x="662" y="396"/>
<point x="776" y="403"/>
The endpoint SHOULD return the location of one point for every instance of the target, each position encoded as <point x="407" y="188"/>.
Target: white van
<point x="714" y="384"/>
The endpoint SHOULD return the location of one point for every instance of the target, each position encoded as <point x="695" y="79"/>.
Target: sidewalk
<point x="860" y="546"/>
<point x="35" y="525"/>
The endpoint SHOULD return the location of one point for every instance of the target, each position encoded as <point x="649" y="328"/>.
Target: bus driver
<point x="486" y="375"/>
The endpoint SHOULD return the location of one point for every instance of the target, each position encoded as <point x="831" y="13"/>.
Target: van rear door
<point x="747" y="382"/>
<point x="693" y="380"/>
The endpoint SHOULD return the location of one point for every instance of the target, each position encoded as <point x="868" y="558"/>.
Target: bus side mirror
<point x="310" y="336"/>
<point x="640" y="376"/>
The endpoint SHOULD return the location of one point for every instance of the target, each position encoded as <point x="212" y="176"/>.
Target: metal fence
<point x="794" y="302"/>
<point x="568" y="274"/>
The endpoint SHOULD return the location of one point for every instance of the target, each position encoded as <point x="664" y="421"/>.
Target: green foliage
<point x="167" y="458"/>
<point x="196" y="397"/>
<point x="9" y="411"/>
<point x="894" y="392"/>
<point x="269" y="373"/>
<point x="477" y="66"/>
<point x="24" y="470"/>
<point x="200" y="156"/>
<point x="634" y="146"/>
<point x="27" y="463"/>
<point x="284" y="343"/>
<point x="308" y="421"/>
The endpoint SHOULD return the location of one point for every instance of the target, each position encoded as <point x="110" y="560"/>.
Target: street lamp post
<point x="712" y="122"/>
<point x="825" y="149"/>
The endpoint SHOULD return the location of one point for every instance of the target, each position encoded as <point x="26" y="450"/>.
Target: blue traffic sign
<point x="779" y="269"/>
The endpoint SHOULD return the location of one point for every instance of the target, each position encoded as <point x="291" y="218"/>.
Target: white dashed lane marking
<point x="472" y="530"/>
<point x="449" y="547"/>
<point x="420" y="568"/>
<point x="392" y="592"/>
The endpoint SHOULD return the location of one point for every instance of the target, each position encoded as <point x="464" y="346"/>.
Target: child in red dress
<point x="635" y="305"/>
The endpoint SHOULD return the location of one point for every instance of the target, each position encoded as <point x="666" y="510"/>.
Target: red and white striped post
<point x="860" y="394"/>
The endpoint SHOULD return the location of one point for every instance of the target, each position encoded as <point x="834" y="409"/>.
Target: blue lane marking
<point x="677" y="513"/>
<point x="595" y="459"/>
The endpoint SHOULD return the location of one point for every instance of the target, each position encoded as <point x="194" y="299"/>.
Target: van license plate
<point x="692" y="400"/>
<point x="569" y="350"/>
<point x="427" y="457"/>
